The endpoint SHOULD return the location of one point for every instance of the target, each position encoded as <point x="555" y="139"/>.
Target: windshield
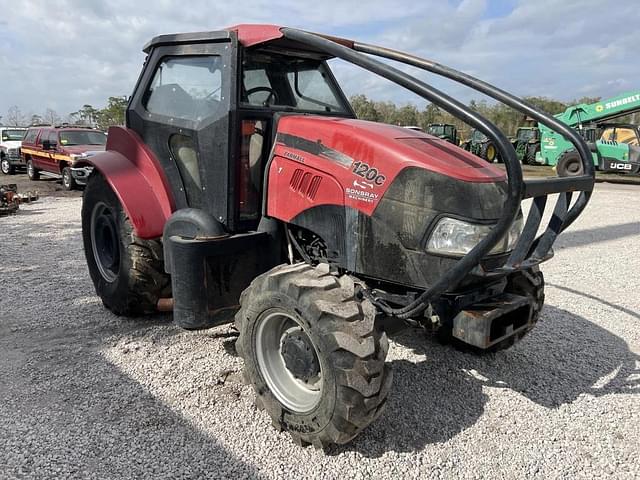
<point x="10" y="135"/>
<point x="621" y="135"/>
<point x="478" y="136"/>
<point x="78" y="137"/>
<point x="436" y="130"/>
<point x="300" y="84"/>
<point x="526" y="134"/>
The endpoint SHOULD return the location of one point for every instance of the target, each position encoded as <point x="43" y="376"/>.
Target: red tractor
<point x="244" y="187"/>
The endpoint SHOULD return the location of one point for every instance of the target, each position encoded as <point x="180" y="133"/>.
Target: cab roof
<point x="248" y="35"/>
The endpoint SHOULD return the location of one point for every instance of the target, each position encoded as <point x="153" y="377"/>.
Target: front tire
<point x="530" y="157"/>
<point x="68" y="182"/>
<point x="127" y="271"/>
<point x="32" y="173"/>
<point x="6" y="166"/>
<point x="313" y="353"/>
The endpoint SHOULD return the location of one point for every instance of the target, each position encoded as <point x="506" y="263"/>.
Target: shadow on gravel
<point x="436" y="399"/>
<point x="68" y="412"/>
<point x="580" y="238"/>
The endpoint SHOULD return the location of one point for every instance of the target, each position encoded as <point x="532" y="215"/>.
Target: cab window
<point x="186" y="87"/>
<point x="30" y="137"/>
<point x="53" y="138"/>
<point x="626" y="135"/>
<point x="82" y="137"/>
<point x="272" y="80"/>
<point x="11" y="135"/>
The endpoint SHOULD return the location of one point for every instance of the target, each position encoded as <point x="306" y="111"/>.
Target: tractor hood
<point x="389" y="149"/>
<point x="356" y="162"/>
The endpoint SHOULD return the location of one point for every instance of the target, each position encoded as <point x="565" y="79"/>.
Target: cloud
<point x="62" y="54"/>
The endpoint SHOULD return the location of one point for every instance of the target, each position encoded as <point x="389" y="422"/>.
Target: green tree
<point x="87" y="115"/>
<point x="406" y="116"/>
<point x="113" y="113"/>
<point x="364" y="108"/>
<point x="386" y="112"/>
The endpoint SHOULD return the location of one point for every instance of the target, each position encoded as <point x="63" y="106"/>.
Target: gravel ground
<point x="46" y="186"/>
<point x="85" y="394"/>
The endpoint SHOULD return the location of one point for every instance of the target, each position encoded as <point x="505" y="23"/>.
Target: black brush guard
<point x="529" y="250"/>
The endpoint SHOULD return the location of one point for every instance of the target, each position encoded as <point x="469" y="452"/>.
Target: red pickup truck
<point x="54" y="151"/>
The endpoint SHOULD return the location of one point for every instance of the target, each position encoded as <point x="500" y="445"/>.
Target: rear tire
<point x="68" y="182"/>
<point x="127" y="271"/>
<point x="488" y="152"/>
<point x="570" y="164"/>
<point x="32" y="173"/>
<point x="6" y="166"/>
<point x="338" y="382"/>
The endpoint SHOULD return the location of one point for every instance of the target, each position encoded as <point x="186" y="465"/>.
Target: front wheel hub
<point x="299" y="355"/>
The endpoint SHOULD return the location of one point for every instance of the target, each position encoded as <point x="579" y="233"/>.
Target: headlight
<point x="457" y="237"/>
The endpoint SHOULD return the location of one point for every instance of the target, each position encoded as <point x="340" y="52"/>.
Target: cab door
<point x="40" y="156"/>
<point x="50" y="155"/>
<point x="182" y="108"/>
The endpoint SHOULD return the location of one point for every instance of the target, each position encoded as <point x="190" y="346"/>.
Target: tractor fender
<point x="138" y="180"/>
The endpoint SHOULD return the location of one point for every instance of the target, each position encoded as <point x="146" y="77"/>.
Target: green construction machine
<point x="445" y="131"/>
<point x="480" y="145"/>
<point x="615" y="147"/>
<point x="527" y="144"/>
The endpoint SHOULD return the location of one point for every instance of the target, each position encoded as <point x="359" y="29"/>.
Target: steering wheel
<point x="272" y="93"/>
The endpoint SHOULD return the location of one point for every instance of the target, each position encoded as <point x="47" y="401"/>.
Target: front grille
<point x="14" y="154"/>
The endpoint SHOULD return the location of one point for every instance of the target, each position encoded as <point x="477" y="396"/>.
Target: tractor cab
<point x="526" y="134"/>
<point x="191" y="97"/>
<point x="446" y="131"/>
<point x="526" y="144"/>
<point x="620" y="133"/>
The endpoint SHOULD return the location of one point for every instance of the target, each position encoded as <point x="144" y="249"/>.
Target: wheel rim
<point x="5" y="165"/>
<point x="104" y="242"/>
<point x="29" y="168"/>
<point x="288" y="361"/>
<point x="491" y="153"/>
<point x="66" y="178"/>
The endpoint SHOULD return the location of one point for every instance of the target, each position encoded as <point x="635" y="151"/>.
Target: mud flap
<point x="208" y="275"/>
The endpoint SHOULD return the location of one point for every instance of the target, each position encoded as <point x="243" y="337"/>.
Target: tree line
<point x="504" y="117"/>
<point x="112" y="114"/>
<point x="507" y="119"/>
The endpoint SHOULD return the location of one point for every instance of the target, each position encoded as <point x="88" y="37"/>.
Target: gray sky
<point x="62" y="54"/>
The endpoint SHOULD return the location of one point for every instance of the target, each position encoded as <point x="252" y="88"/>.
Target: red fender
<point x="137" y="178"/>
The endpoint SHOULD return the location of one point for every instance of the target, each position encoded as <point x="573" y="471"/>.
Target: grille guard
<point x="529" y="250"/>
